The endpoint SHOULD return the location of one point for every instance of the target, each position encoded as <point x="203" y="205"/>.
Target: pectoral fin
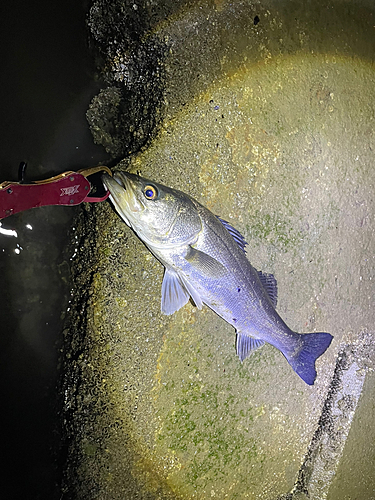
<point x="205" y="264"/>
<point x="176" y="288"/>
<point x="245" y="345"/>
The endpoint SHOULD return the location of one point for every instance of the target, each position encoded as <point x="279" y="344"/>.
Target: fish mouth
<point x="122" y="194"/>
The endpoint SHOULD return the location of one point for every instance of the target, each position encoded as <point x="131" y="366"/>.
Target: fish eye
<point x="150" y="192"/>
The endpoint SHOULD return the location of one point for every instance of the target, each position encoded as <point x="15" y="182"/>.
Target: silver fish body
<point x="204" y="258"/>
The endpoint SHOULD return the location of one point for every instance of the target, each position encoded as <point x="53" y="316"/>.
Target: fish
<point x="205" y="261"/>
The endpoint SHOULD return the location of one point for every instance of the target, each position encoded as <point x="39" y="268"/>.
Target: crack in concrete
<point x="327" y="445"/>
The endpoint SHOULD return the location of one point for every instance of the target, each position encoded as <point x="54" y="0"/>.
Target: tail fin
<point x="312" y="345"/>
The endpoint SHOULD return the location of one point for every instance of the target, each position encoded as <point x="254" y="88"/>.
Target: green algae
<point x="276" y="231"/>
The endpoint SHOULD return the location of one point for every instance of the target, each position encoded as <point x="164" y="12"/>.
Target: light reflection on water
<point x="31" y="296"/>
<point x="47" y="89"/>
<point x="7" y="232"/>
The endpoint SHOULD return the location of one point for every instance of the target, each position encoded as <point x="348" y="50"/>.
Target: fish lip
<point x="108" y="181"/>
<point x="119" y="180"/>
<point x="124" y="181"/>
<point x="130" y="194"/>
<point x="123" y="195"/>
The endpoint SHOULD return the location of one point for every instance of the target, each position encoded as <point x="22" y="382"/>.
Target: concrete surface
<point x="281" y="145"/>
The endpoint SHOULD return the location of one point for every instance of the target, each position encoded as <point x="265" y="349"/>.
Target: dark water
<point x="47" y="81"/>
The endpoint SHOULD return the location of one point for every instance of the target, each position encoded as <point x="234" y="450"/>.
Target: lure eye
<point x="150" y="192"/>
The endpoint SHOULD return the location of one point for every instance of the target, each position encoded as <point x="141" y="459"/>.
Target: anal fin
<point x="245" y="345"/>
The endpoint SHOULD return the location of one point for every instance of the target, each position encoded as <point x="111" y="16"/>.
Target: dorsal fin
<point x="270" y="285"/>
<point x="236" y="235"/>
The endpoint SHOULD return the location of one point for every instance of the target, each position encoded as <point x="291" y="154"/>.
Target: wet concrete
<point x="281" y="145"/>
